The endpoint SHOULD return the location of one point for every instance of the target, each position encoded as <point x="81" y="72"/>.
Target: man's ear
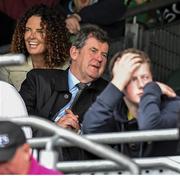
<point x="26" y="147"/>
<point x="74" y="52"/>
<point x="27" y="151"/>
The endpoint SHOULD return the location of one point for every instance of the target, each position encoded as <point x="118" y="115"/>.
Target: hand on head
<point x="123" y="69"/>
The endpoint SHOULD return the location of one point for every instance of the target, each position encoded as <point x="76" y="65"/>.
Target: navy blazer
<point x="46" y="91"/>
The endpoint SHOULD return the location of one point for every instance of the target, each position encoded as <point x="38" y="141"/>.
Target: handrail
<point x="95" y="148"/>
<point x="12" y="59"/>
<point x="117" y="138"/>
<point x="101" y="165"/>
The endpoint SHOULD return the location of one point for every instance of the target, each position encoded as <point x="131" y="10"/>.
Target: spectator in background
<point x="146" y="19"/>
<point x="106" y="14"/>
<point x="10" y="11"/>
<point x="15" y="153"/>
<point x="49" y="93"/>
<point x="42" y="37"/>
<point x="132" y="101"/>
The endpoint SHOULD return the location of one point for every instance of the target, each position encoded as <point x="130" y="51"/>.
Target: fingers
<point x="166" y="90"/>
<point x="126" y="65"/>
<point x="69" y="121"/>
<point x="68" y="111"/>
<point x="72" y="24"/>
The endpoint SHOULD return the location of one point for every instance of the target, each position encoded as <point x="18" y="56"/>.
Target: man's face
<point x="20" y="162"/>
<point x="88" y="63"/>
<point x="34" y="36"/>
<point x="134" y="89"/>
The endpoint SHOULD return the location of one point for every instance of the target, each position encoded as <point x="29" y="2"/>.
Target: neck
<point x="38" y="61"/>
<point x="132" y="107"/>
<point x="79" y="76"/>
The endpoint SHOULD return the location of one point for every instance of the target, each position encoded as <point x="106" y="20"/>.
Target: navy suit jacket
<point x="46" y="91"/>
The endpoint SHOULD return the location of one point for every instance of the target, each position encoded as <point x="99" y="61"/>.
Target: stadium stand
<point x="161" y="42"/>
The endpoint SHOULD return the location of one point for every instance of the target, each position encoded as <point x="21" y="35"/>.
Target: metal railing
<point x="115" y="138"/>
<point x="79" y="141"/>
<point x="171" y="163"/>
<point x="114" y="161"/>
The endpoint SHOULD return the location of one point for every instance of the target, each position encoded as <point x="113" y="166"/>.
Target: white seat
<point x="12" y="105"/>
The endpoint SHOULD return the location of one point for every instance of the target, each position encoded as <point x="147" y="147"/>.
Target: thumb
<point x="68" y="111"/>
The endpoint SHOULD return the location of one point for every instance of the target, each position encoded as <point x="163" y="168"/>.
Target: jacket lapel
<point x="55" y="101"/>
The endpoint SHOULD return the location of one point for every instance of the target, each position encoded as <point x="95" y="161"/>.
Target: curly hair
<point x="57" y="36"/>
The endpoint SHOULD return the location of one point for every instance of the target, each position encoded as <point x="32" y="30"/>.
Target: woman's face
<point x="34" y="36"/>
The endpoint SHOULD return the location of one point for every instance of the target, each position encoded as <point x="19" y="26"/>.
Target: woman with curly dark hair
<point x="41" y="35"/>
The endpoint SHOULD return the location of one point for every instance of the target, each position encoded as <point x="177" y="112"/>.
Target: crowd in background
<point x="79" y="76"/>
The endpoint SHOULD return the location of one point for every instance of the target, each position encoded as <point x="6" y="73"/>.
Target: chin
<point x="137" y="101"/>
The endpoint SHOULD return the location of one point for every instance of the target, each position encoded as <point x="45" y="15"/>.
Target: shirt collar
<point x="72" y="80"/>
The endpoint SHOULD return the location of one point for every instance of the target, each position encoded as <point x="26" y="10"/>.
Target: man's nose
<point x="99" y="57"/>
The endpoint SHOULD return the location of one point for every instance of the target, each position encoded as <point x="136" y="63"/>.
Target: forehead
<point x="131" y="55"/>
<point x="143" y="69"/>
<point x="93" y="42"/>
<point x="34" y="20"/>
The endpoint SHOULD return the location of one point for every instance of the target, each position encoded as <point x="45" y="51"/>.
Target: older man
<point x="50" y="93"/>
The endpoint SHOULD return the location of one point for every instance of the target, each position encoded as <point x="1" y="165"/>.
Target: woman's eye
<point x="27" y="29"/>
<point x="41" y="31"/>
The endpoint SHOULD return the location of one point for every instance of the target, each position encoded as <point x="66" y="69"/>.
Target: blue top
<point x="155" y="111"/>
<point x="109" y="112"/>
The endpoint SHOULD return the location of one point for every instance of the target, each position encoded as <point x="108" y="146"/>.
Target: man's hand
<point x="69" y="121"/>
<point x="166" y="90"/>
<point x="72" y="23"/>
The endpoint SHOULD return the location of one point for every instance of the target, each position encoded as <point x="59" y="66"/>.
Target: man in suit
<point x="49" y="93"/>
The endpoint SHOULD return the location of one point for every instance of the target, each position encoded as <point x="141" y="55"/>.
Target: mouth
<point x="97" y="66"/>
<point x="140" y="94"/>
<point x="33" y="44"/>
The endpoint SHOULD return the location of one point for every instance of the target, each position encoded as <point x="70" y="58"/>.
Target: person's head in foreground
<point x="15" y="152"/>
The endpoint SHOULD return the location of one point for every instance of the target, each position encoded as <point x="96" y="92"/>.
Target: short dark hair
<point x="89" y="30"/>
<point x="145" y="58"/>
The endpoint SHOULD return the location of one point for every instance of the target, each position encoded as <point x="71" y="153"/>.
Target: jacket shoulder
<point x="46" y="73"/>
<point x="99" y="84"/>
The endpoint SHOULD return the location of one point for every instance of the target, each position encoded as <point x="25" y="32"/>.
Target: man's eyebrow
<point x="93" y="47"/>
